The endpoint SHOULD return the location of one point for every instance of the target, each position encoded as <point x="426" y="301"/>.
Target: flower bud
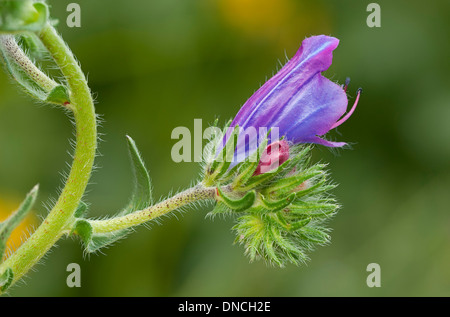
<point x="273" y="156"/>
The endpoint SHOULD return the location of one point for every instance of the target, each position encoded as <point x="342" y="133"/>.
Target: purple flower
<point x="298" y="101"/>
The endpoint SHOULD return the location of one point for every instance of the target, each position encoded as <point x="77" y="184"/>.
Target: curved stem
<point x="190" y="195"/>
<point x="61" y="216"/>
<point x="13" y="50"/>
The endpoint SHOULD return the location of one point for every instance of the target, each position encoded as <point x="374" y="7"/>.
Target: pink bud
<point x="273" y="156"/>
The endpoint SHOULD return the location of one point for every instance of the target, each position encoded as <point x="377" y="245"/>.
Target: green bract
<point x="281" y="214"/>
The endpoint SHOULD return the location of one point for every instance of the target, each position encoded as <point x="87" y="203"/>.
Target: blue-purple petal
<point x="298" y="100"/>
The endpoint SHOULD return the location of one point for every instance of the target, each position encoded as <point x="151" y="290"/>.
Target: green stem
<point x="13" y="50"/>
<point x="188" y="196"/>
<point x="61" y="216"/>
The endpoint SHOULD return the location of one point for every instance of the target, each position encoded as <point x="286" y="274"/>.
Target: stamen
<point x="347" y="82"/>
<point x="344" y="118"/>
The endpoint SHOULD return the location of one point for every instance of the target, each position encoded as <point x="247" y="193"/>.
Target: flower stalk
<point x="181" y="199"/>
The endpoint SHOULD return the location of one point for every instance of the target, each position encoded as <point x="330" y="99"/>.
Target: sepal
<point x="236" y="204"/>
<point x="248" y="167"/>
<point x="280" y="213"/>
<point x="275" y="205"/>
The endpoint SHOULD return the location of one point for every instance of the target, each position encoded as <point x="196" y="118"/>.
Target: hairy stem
<point x="10" y="47"/>
<point x="190" y="195"/>
<point x="61" y="216"/>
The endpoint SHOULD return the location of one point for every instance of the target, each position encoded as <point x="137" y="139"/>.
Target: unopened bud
<point x="272" y="157"/>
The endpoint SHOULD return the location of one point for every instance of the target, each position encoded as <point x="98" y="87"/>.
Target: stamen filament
<point x="348" y="114"/>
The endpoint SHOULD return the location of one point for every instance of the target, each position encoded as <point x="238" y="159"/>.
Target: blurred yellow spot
<point x="256" y="16"/>
<point x="284" y="21"/>
<point x="7" y="207"/>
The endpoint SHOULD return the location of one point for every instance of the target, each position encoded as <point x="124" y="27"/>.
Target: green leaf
<point x="93" y="242"/>
<point x="317" y="188"/>
<point x="142" y="193"/>
<point x="141" y="198"/>
<point x="275" y="205"/>
<point x="6" y="279"/>
<point x="22" y="16"/>
<point x="102" y="240"/>
<point x="239" y="204"/>
<point x="299" y="224"/>
<point x="265" y="178"/>
<point x="289" y="184"/>
<point x="16" y="218"/>
<point x="316" y="235"/>
<point x="219" y="208"/>
<point x="58" y="95"/>
<point x="83" y="229"/>
<point x="313" y="209"/>
<point x="230" y="174"/>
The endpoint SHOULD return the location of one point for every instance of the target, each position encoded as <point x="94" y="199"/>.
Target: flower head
<point x="300" y="103"/>
<point x="260" y="163"/>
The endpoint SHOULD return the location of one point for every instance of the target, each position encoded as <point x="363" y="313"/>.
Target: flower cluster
<point x="266" y="179"/>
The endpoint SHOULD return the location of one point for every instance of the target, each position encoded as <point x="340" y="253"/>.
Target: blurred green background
<point x="155" y="65"/>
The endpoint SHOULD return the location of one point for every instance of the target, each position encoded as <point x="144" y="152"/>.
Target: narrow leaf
<point x="315" y="235"/>
<point x="140" y="199"/>
<point x="219" y="208"/>
<point x="264" y="178"/>
<point x="312" y="209"/>
<point x="299" y="224"/>
<point x="16" y="218"/>
<point x="274" y="205"/>
<point x="240" y="204"/>
<point x="319" y="187"/>
<point x="289" y="184"/>
<point x="102" y="240"/>
<point x="142" y="192"/>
